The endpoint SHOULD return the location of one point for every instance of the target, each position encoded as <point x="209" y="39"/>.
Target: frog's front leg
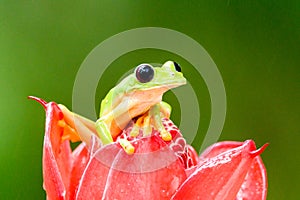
<point x="165" y="109"/>
<point x="152" y="118"/>
<point x="106" y="138"/>
<point x="103" y="132"/>
<point x="157" y="112"/>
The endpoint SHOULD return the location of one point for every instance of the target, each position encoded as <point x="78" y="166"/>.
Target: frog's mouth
<point x="166" y="87"/>
<point x="151" y="96"/>
<point x="174" y="85"/>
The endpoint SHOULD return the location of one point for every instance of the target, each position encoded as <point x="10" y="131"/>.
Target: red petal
<point x="255" y="184"/>
<point x="62" y="169"/>
<point x="56" y="156"/>
<point x="81" y="157"/>
<point x="152" y="172"/>
<point x="220" y="177"/>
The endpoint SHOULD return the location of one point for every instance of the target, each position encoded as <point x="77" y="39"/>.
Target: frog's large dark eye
<point x="177" y="66"/>
<point x="144" y="73"/>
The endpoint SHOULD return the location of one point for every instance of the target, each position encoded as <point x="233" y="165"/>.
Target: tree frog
<point x="139" y="95"/>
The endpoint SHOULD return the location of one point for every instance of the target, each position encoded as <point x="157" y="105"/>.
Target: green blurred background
<point x="255" y="45"/>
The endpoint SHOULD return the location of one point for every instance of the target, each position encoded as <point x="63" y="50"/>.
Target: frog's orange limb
<point x="76" y="127"/>
<point x="69" y="133"/>
<point x="71" y="117"/>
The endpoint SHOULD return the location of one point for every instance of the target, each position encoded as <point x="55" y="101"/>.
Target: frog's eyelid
<point x="140" y="65"/>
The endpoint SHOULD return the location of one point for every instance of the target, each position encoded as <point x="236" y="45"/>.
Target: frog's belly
<point x="119" y="122"/>
<point x="133" y="105"/>
<point x="131" y="112"/>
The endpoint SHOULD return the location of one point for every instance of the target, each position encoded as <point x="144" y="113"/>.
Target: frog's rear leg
<point x="76" y="127"/>
<point x="165" y="109"/>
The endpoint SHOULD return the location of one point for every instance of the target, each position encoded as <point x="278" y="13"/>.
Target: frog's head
<point x="167" y="76"/>
<point x="140" y="90"/>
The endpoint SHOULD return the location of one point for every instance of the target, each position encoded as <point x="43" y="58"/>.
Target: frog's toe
<point x="127" y="146"/>
<point x="165" y="135"/>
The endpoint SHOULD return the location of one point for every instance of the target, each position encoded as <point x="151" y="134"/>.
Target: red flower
<point x="157" y="170"/>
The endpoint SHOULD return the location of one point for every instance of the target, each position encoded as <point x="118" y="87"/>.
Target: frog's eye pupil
<point x="177" y="67"/>
<point x="144" y="73"/>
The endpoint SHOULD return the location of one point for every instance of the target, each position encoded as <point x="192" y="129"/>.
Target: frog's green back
<point x="114" y="95"/>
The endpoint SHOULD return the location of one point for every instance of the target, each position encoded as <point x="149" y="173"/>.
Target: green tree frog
<point x="138" y="96"/>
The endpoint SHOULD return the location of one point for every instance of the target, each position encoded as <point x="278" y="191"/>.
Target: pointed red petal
<point x="56" y="154"/>
<point x="255" y="184"/>
<point x="152" y="172"/>
<point x="39" y="100"/>
<point x="219" y="177"/>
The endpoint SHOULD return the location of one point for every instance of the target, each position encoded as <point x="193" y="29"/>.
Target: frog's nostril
<point x="177" y="66"/>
